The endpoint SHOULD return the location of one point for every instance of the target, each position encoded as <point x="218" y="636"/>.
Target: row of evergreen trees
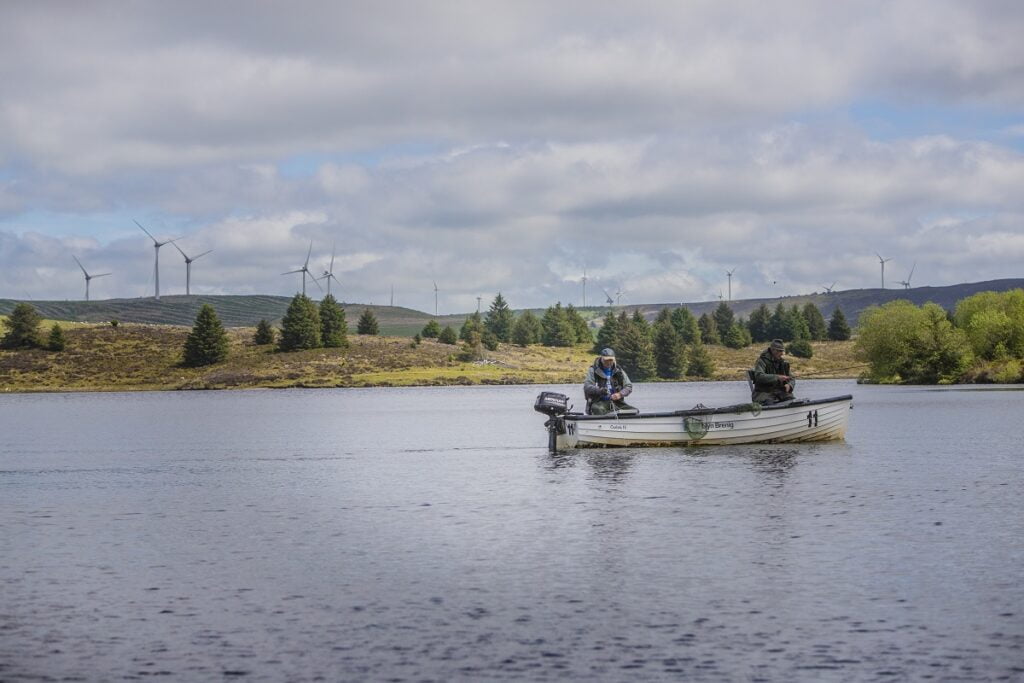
<point x="23" y="331"/>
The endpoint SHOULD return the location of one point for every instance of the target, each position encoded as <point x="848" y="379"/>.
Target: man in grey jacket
<point x="772" y="381"/>
<point x="607" y="385"/>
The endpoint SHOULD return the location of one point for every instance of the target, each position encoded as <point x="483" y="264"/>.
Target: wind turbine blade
<point x="308" y="253"/>
<point x="331" y="269"/>
<point x="80" y="264"/>
<point x="179" y="250"/>
<point x="144" y="230"/>
<point x="292" y="271"/>
<point x="317" y="283"/>
<point x="102" y="274"/>
<point x="203" y="254"/>
<point x="912" y="271"/>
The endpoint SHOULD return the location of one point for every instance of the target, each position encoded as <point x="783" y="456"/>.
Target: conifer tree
<point x="669" y="357"/>
<point x="635" y="353"/>
<point x="579" y="325"/>
<point x="489" y="340"/>
<point x="264" y="334"/>
<point x="448" y="336"/>
<point x="640" y="322"/>
<point x="838" y="329"/>
<point x="724" y="318"/>
<point x="526" y="329"/>
<point x="558" y="330"/>
<point x="22" y="328"/>
<point x="737" y="337"/>
<point x="56" y="342"/>
<point x="815" y="322"/>
<point x="431" y="330"/>
<point x="333" y="325"/>
<point x="686" y="325"/>
<point x="300" y="327"/>
<point x="699" y="361"/>
<point x="759" y="323"/>
<point x="473" y="323"/>
<point x="500" y="319"/>
<point x="777" y="327"/>
<point x="607" y="333"/>
<point x="796" y="325"/>
<point x="207" y="343"/>
<point x="708" y="329"/>
<point x="367" y="323"/>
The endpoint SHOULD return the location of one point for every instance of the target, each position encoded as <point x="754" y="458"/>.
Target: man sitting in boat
<point x="771" y="378"/>
<point x="606" y="386"/>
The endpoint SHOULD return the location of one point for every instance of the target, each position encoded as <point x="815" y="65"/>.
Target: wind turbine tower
<point x="188" y="267"/>
<point x="435" y="298"/>
<point x="87" y="276"/>
<point x="728" y="274"/>
<point x="304" y="270"/>
<point x="329" y="275"/>
<point x="156" y="260"/>
<point x="882" y="262"/>
<point x="478" y="303"/>
<point x="584" y="286"/>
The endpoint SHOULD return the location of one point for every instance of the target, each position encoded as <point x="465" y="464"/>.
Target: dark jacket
<point x="594" y="386"/>
<point x="767" y="385"/>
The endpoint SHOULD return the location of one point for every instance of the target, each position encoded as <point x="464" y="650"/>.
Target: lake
<point x="426" y="534"/>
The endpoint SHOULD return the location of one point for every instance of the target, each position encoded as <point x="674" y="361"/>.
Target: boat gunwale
<point x="737" y="408"/>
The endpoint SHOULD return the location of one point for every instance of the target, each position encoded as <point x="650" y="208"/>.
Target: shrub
<point x="801" y="348"/>
<point x="431" y="330"/>
<point x="264" y="334"/>
<point x="448" y="336"/>
<point x="57" y="342"/>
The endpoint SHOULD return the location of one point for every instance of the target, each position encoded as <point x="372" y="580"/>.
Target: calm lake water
<point x="427" y="534"/>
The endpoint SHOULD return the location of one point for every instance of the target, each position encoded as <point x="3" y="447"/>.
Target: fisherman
<point x="772" y="381"/>
<point x="606" y="386"/>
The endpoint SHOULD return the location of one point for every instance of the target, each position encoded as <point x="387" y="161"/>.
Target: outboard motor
<point x="553" y="405"/>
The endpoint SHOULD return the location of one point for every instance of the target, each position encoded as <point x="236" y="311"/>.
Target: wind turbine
<point x="87" y="276"/>
<point x="906" y="283"/>
<point x="828" y="289"/>
<point x="478" y="303"/>
<point x="882" y="262"/>
<point x="188" y="267"/>
<point x="584" y="286"/>
<point x="156" y="260"/>
<point x="610" y="301"/>
<point x="304" y="270"/>
<point x="329" y="275"/>
<point x="435" y="298"/>
<point x="618" y="295"/>
<point x="728" y="274"/>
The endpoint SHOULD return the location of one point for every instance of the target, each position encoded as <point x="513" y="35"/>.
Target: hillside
<point x="147" y="357"/>
<point x="233" y="310"/>
<point x="247" y="310"/>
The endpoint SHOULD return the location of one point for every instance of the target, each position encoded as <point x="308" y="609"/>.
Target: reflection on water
<point x="427" y="534"/>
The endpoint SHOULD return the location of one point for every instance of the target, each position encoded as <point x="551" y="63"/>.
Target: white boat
<point x="792" y="421"/>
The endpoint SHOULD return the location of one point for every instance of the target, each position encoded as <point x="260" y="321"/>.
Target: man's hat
<point x="777" y="345"/>
<point x="607" y="353"/>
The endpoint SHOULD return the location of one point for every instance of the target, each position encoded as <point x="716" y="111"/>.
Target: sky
<point x="510" y="147"/>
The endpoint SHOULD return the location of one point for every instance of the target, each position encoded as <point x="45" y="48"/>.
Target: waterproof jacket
<point x="766" y="377"/>
<point x="595" y="387"/>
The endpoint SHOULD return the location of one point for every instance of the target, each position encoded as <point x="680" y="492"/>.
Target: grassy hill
<point x="247" y="310"/>
<point x="147" y="357"/>
<point x="233" y="310"/>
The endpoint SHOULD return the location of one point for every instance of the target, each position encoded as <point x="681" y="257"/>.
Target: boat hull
<point x="796" y="421"/>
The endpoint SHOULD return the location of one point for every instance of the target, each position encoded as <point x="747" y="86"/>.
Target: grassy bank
<point x="147" y="357"/>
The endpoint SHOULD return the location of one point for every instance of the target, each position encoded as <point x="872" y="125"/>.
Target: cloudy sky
<point x="507" y="146"/>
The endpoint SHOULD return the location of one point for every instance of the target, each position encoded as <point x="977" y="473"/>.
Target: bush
<point x="448" y="336"/>
<point x="801" y="348"/>
<point x="431" y="330"/>
<point x="264" y="334"/>
<point x="114" y="323"/>
<point x="489" y="340"/>
<point x="57" y="341"/>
